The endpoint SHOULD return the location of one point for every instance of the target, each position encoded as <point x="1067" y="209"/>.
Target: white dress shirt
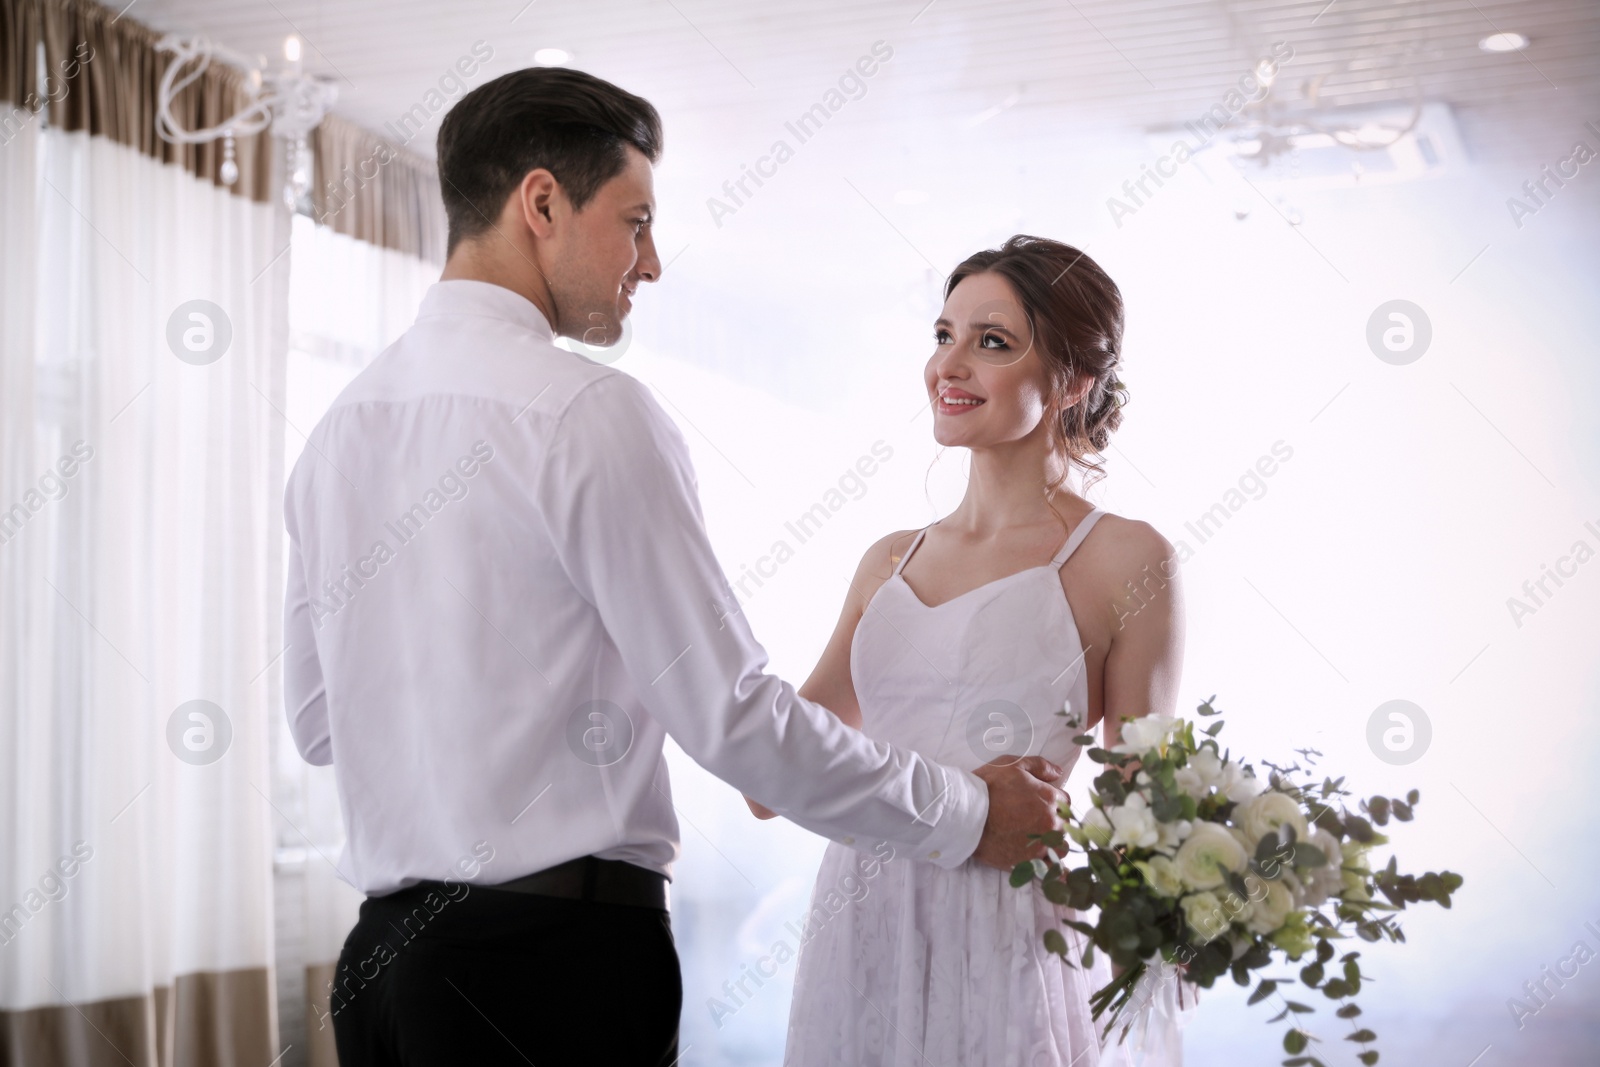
<point x="501" y="598"/>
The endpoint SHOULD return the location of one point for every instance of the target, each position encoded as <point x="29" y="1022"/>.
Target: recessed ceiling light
<point x="1503" y="42"/>
<point x="552" y="57"/>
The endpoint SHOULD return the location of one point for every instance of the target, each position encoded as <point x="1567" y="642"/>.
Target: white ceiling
<point x="1002" y="117"/>
<point x="1085" y="64"/>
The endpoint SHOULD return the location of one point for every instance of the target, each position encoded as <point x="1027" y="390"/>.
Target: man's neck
<point x="472" y="262"/>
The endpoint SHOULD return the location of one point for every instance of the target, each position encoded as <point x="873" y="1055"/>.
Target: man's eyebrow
<point x="644" y="206"/>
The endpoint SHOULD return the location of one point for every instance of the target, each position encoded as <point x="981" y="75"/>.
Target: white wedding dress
<point x="909" y="964"/>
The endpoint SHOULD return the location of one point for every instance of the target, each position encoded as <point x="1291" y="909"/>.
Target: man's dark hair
<point x="570" y="123"/>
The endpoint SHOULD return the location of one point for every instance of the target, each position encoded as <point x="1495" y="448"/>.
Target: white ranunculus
<point x="1206" y="853"/>
<point x="1145" y="733"/>
<point x="1269" y="910"/>
<point x="1162" y="874"/>
<point x="1264" y="814"/>
<point x="1134" y="824"/>
<point x="1203" y="912"/>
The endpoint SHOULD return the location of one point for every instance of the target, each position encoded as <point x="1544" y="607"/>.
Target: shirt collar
<point x="461" y="296"/>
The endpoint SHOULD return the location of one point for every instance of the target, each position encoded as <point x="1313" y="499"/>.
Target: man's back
<point x="454" y="650"/>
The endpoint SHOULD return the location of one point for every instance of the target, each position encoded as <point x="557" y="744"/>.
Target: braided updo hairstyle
<point x="1075" y="312"/>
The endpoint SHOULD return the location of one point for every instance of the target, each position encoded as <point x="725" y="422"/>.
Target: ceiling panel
<point x="1093" y="63"/>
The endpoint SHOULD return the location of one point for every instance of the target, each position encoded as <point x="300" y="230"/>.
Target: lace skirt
<point x="905" y="964"/>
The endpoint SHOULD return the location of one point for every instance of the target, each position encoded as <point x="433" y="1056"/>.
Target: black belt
<point x="596" y="880"/>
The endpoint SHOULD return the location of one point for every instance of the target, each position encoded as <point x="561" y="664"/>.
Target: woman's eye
<point x="639" y="225"/>
<point x="999" y="342"/>
<point x="941" y="337"/>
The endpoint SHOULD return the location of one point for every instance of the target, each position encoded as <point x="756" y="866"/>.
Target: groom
<point x="501" y="599"/>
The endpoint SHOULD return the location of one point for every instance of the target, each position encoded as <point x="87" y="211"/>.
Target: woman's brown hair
<point x="1075" y="312"/>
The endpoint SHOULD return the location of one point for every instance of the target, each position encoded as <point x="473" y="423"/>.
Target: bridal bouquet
<point x="1199" y="868"/>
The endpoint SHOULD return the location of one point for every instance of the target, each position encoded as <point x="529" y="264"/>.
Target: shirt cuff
<point x="955" y="835"/>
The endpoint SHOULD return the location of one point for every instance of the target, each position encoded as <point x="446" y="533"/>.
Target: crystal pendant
<point x="230" y="169"/>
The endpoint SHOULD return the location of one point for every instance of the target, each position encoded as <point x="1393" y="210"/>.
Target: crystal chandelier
<point x="288" y="100"/>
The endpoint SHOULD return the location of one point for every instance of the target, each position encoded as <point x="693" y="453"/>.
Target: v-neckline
<point x="899" y="571"/>
<point x="975" y="589"/>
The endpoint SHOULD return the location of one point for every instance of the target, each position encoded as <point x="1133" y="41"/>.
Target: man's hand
<point x="1022" y="801"/>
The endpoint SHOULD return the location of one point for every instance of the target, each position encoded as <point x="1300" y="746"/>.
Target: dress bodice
<point x="978" y="676"/>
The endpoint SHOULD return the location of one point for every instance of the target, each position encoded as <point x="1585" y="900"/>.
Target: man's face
<point x="606" y="251"/>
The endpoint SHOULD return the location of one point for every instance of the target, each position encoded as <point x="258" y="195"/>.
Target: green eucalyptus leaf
<point x="1263" y="991"/>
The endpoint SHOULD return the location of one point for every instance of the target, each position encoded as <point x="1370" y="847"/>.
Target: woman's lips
<point x="955" y="402"/>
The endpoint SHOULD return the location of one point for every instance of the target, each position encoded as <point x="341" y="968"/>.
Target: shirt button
<point x="934" y="854"/>
<point x="849" y="840"/>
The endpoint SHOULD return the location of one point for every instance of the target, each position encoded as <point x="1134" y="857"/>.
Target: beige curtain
<point x="370" y="191"/>
<point x="101" y="74"/>
<point x="155" y="578"/>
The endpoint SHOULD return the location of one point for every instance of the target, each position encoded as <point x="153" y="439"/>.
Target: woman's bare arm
<point x="830" y="684"/>
<point x="1144" y="664"/>
<point x="1145" y="661"/>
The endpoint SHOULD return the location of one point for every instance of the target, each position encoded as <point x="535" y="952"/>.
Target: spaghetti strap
<point x="898" y="567"/>
<point x="1076" y="537"/>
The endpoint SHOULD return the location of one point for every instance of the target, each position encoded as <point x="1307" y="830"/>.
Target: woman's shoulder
<point x="877" y="566"/>
<point x="880" y="560"/>
<point x="1127" y="545"/>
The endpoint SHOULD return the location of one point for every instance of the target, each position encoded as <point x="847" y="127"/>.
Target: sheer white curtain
<point x="141" y="377"/>
<point x="348" y="300"/>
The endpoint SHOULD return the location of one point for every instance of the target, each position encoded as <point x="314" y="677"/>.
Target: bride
<point x="964" y="641"/>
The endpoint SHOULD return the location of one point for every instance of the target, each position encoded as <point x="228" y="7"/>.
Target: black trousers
<point x="445" y="973"/>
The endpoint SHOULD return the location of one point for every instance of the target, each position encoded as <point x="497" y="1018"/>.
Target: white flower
<point x="1268" y="911"/>
<point x="1296" y="888"/>
<point x="1203" y="912"/>
<point x="1134" y="822"/>
<point x="1264" y="814"/>
<point x="1162" y="874"/>
<point x="1173" y="834"/>
<point x="1323" y="882"/>
<point x="1145" y="733"/>
<point x="1208" y="850"/>
<point x="1237" y="785"/>
<point x="1096" y="829"/>
<point x="1206" y="771"/>
<point x="1201" y="774"/>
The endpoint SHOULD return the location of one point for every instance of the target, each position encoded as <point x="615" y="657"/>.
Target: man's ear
<point x="540" y="199"/>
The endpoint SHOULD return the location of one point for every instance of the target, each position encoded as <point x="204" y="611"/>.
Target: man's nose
<point x="648" y="268"/>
